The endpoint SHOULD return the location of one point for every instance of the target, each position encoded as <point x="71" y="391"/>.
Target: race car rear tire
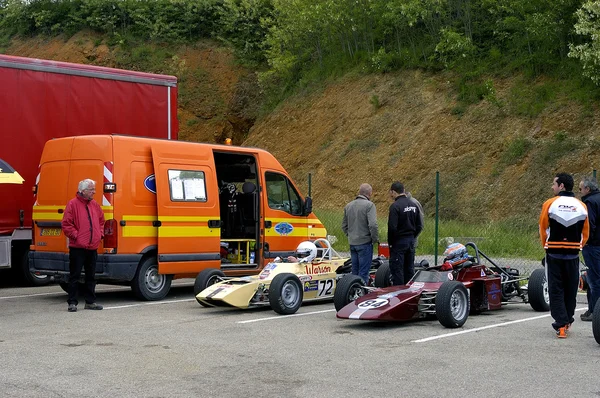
<point x="148" y="284"/>
<point x="596" y="321"/>
<point x="286" y="293"/>
<point x="348" y="289"/>
<point x="452" y="304"/>
<point x="204" y="279"/>
<point x="537" y="291"/>
<point x="383" y="276"/>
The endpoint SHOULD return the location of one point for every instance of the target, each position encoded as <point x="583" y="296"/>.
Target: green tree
<point x="588" y="25"/>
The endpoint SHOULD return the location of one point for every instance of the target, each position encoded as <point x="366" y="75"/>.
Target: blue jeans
<point x="591" y="256"/>
<point x="361" y="256"/>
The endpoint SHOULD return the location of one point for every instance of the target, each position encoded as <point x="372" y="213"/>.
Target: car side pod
<point x="596" y="321"/>
<point x="452" y="304"/>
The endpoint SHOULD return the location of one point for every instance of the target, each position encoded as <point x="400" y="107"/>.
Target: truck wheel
<point x="383" y="276"/>
<point x="148" y="284"/>
<point x="537" y="290"/>
<point x="285" y="293"/>
<point x="596" y="321"/>
<point x="204" y="279"/>
<point x="29" y="278"/>
<point x="452" y="304"/>
<point x="348" y="289"/>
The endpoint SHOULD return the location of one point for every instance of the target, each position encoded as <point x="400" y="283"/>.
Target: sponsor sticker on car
<point x="310" y="286"/>
<point x="373" y="303"/>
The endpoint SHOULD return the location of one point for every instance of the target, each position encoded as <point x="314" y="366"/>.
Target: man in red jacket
<point x="83" y="224"/>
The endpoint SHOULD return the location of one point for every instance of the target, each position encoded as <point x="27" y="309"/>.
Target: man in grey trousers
<point x="360" y="226"/>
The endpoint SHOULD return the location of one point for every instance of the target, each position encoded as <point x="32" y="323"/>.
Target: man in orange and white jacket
<point x="564" y="229"/>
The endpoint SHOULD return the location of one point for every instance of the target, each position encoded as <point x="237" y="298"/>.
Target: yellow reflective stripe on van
<point x="299" y="231"/>
<point x="295" y="220"/>
<point x="47" y="213"/>
<point x="42" y="212"/>
<point x="185" y="218"/>
<point x="140" y="218"/>
<point x="38" y="207"/>
<point x="169" y="231"/>
<point x="188" y="232"/>
<point x="47" y="216"/>
<point x="139" y="232"/>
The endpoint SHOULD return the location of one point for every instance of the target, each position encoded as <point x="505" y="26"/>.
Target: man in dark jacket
<point x="591" y="251"/>
<point x="360" y="226"/>
<point x="83" y="224"/>
<point x="404" y="224"/>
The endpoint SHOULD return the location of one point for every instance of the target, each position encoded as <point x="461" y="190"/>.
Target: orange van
<point x="172" y="209"/>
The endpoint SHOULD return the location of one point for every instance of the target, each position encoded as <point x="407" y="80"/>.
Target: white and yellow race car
<point x="282" y="285"/>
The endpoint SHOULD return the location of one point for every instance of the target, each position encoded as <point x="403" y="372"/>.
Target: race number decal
<point x="325" y="288"/>
<point x="373" y="303"/>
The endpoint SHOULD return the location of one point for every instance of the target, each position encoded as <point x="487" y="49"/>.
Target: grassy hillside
<point x="495" y="164"/>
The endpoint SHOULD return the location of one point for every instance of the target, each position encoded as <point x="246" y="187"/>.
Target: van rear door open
<point x="188" y="213"/>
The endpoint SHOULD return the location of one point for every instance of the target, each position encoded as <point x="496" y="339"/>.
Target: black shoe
<point x="587" y="316"/>
<point x="72" y="308"/>
<point x="93" y="306"/>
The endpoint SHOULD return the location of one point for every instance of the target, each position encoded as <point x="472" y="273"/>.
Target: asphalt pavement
<point x="176" y="348"/>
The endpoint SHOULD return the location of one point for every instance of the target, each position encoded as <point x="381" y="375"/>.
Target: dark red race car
<point x="451" y="295"/>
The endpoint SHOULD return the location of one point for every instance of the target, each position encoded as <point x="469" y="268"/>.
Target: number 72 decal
<point x="325" y="288"/>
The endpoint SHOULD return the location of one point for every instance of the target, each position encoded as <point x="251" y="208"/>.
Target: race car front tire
<point x="286" y="294"/>
<point x="452" y="304"/>
<point x="537" y="291"/>
<point x="204" y="279"/>
<point x="348" y="289"/>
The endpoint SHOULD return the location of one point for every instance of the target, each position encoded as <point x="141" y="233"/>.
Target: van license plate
<point x="50" y="232"/>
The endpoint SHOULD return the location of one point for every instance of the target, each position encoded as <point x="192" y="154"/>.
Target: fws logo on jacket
<point x="410" y="208"/>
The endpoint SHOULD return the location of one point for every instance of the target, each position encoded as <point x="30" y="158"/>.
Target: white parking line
<point x="442" y="336"/>
<point x="53" y="294"/>
<point x="116" y="307"/>
<point x="284" y="316"/>
<point x="113" y="289"/>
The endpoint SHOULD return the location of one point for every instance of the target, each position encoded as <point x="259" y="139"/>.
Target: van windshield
<point x="281" y="194"/>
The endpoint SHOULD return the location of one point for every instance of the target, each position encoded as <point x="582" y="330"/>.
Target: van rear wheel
<point x="148" y="284"/>
<point x="21" y="264"/>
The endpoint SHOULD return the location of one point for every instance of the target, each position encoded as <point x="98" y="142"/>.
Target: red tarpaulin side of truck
<point x="41" y="100"/>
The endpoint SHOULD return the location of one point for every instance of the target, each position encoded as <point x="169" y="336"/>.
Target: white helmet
<point x="306" y="252"/>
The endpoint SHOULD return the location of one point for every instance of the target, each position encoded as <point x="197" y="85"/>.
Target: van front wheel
<point x="148" y="284"/>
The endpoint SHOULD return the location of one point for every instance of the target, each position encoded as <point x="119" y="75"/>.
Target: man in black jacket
<point x="404" y="224"/>
<point x="591" y="251"/>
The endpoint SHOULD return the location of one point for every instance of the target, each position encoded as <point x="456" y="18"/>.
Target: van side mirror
<point x="307" y="206"/>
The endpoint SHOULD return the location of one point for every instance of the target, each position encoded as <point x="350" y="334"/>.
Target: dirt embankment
<point x="403" y="126"/>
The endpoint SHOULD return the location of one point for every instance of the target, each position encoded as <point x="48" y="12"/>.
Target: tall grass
<point x="512" y="239"/>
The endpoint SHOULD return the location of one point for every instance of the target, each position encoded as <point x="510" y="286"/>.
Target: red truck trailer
<point x="41" y="100"/>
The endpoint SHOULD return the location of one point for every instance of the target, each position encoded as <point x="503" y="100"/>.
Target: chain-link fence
<point x="501" y="220"/>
